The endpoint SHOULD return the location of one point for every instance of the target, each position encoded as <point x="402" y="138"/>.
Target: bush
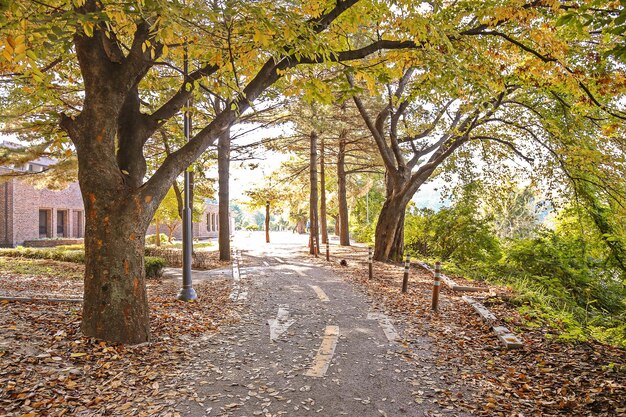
<point x="78" y="246"/>
<point x="456" y="233"/>
<point x="364" y="233"/>
<point x="151" y="239"/>
<point x="154" y="266"/>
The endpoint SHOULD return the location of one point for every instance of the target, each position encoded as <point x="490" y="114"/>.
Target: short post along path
<point x="309" y="343"/>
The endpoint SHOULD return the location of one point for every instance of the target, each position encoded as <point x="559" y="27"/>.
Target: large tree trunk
<point x="223" y="168"/>
<point x="115" y="306"/>
<point x="389" y="235"/>
<point x="342" y="194"/>
<point x="323" y="224"/>
<point x="313" y="201"/>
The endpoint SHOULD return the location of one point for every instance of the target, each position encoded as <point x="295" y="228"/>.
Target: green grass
<point x="40" y="267"/>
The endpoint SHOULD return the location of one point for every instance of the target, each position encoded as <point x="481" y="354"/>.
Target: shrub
<point x="151" y="239"/>
<point x="154" y="266"/>
<point x="364" y="233"/>
<point x="78" y="246"/>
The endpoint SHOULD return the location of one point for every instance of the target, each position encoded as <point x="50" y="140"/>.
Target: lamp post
<point x="187" y="293"/>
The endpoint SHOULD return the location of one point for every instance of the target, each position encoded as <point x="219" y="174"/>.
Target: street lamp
<point x="187" y="293"/>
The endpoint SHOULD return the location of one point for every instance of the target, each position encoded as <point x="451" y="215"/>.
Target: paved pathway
<point x="310" y="345"/>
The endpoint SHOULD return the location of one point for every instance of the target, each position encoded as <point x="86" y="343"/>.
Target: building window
<point x="61" y="219"/>
<point x="44" y="223"/>
<point x="208" y="222"/>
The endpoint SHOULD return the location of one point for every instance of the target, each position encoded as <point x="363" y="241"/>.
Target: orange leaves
<point x="49" y="369"/>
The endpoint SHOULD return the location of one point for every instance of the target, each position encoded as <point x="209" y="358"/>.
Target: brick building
<point x="207" y="228"/>
<point x="27" y="213"/>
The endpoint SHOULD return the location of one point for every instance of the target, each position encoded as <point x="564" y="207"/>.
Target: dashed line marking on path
<point x="320" y="293"/>
<point x="386" y="324"/>
<point x="325" y="353"/>
<point x="279" y="260"/>
<point x="239" y="293"/>
<point x="266" y="263"/>
<point x="299" y="272"/>
<point x="281" y="323"/>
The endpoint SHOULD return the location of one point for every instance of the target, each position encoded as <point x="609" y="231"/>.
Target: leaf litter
<point x="546" y="377"/>
<point x="48" y="368"/>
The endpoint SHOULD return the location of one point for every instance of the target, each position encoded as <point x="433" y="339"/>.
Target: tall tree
<point x="314" y="239"/>
<point x="323" y="213"/>
<point x="118" y="48"/>
<point x="223" y="177"/>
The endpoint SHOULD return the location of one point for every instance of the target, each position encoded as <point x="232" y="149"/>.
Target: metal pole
<point x="405" y="280"/>
<point x="369" y="261"/>
<point x="436" y="286"/>
<point x="187" y="293"/>
<point x="327" y="251"/>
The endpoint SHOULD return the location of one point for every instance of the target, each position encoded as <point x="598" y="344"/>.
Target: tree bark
<point x="323" y="224"/>
<point x="301" y="227"/>
<point x="115" y="304"/>
<point x="342" y="194"/>
<point x="223" y="169"/>
<point x="267" y="222"/>
<point x="389" y="234"/>
<point x="313" y="200"/>
<point x="157" y="229"/>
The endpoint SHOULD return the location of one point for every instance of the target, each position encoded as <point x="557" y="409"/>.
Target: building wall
<point x="206" y="228"/>
<point x="26" y="202"/>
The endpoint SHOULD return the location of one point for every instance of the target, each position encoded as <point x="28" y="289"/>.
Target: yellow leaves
<point x="78" y="355"/>
<point x="88" y="28"/>
<point x="260" y="37"/>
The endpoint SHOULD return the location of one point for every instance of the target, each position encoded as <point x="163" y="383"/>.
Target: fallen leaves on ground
<point x="545" y="377"/>
<point x="48" y="368"/>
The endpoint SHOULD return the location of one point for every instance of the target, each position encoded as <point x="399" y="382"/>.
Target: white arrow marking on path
<point x="280" y="260"/>
<point x="266" y="263"/>
<point x="281" y="323"/>
<point x="320" y="293"/>
<point x="325" y="353"/>
<point x="386" y="324"/>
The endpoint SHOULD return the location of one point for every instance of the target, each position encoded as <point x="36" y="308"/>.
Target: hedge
<point x="153" y="265"/>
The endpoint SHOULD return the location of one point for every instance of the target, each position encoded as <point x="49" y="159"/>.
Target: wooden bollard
<point x="327" y="251"/>
<point x="436" y="286"/>
<point x="369" y="261"/>
<point x="405" y="280"/>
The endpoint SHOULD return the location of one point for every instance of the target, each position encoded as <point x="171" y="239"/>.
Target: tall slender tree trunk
<point x="267" y="222"/>
<point x="157" y="229"/>
<point x="342" y="194"/>
<point x="313" y="201"/>
<point x="323" y="217"/>
<point x="223" y="169"/>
